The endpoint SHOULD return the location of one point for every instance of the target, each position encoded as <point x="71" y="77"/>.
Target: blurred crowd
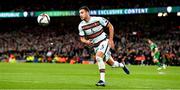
<point x="60" y="43"/>
<point x="39" y="42"/>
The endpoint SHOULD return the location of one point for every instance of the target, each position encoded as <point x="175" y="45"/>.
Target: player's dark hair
<point x="85" y="8"/>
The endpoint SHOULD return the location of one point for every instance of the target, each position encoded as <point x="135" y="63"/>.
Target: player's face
<point x="149" y="41"/>
<point x="83" y="14"/>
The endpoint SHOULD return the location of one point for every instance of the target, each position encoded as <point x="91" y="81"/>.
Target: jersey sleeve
<point x="103" y="21"/>
<point x="153" y="46"/>
<point x="81" y="32"/>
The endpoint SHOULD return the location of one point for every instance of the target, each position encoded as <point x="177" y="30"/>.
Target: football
<point x="43" y="19"/>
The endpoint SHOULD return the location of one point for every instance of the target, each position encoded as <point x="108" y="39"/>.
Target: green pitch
<point x="78" y="76"/>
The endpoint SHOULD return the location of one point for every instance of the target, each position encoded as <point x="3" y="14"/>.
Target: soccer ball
<point x="43" y="19"/>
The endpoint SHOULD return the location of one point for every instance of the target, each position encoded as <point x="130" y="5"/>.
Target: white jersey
<point x="93" y="29"/>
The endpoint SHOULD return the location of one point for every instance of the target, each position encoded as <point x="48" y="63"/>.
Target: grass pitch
<point x="78" y="76"/>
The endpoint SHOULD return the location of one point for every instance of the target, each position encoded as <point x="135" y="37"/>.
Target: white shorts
<point x="104" y="47"/>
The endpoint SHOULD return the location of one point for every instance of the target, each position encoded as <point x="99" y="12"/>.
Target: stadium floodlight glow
<point x="169" y="9"/>
<point x="165" y="14"/>
<point x="134" y="33"/>
<point x="178" y="13"/>
<point x="160" y="14"/>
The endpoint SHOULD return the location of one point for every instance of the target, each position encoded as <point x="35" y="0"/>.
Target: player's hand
<point x="111" y="43"/>
<point x="88" y="42"/>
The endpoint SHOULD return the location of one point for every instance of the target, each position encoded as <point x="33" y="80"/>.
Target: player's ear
<point x="88" y="12"/>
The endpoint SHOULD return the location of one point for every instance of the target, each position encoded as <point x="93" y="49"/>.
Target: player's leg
<point x="101" y="66"/>
<point x="158" y="64"/>
<point x="101" y="50"/>
<point x="164" y="61"/>
<point x="113" y="63"/>
<point x="156" y="61"/>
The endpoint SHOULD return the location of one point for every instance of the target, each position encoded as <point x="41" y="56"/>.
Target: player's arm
<point x="82" y="36"/>
<point x="111" y="34"/>
<point x="111" y="31"/>
<point x="156" y="50"/>
<point x="84" y="40"/>
<point x="110" y="27"/>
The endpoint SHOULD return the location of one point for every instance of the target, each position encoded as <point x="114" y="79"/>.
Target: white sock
<point x="121" y="65"/>
<point x="116" y="64"/>
<point x="102" y="76"/>
<point x="101" y="66"/>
